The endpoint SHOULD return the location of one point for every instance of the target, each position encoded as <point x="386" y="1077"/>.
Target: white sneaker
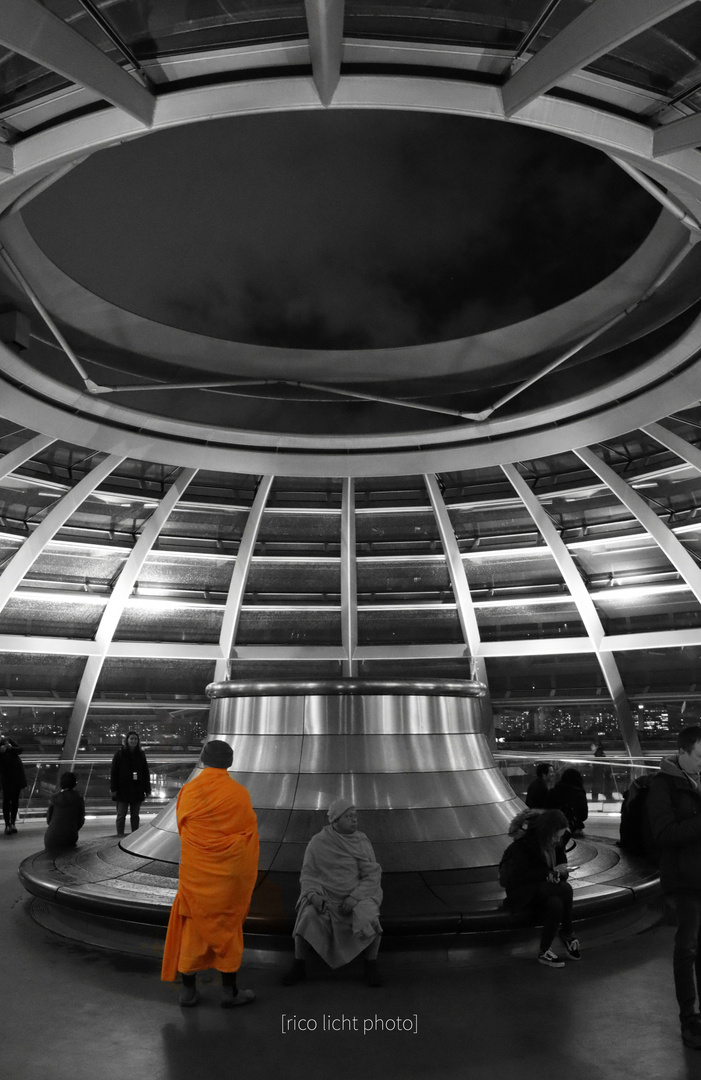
<point x="550" y="959"/>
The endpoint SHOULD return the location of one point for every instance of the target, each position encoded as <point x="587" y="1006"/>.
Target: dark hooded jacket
<point x="674" y="813"/>
<point x="12" y="776"/>
<point x="66" y="816"/>
<point x="571" y="798"/>
<point x="130" y="779"/>
<point x="528" y="867"/>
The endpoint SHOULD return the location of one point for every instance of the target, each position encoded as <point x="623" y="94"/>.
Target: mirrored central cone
<point x="410" y="756"/>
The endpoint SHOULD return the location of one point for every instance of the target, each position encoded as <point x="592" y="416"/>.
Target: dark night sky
<point x="342" y="229"/>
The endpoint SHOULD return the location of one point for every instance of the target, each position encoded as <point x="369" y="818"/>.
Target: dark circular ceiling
<point x="342" y="229"/>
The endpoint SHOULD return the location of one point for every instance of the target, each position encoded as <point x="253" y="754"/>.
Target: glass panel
<point x="221" y="523"/>
<point x="162" y="26"/>
<point x="39" y="672"/>
<point x="70" y="617"/>
<point x="565" y="12"/>
<point x="319" y="492"/>
<point x="24" y="506"/>
<point x="286" y="669"/>
<point x="162" y="676"/>
<point x="394" y="580"/>
<point x="163" y="730"/>
<point x="414" y="627"/>
<point x="22" y="79"/>
<point x="268" y="581"/>
<point x="170" y="572"/>
<point x="292" y="627"/>
<point x="85" y="565"/>
<point x="75" y="15"/>
<point x="604" y="782"/>
<point x="94" y="785"/>
<point x="37" y="728"/>
<point x="108" y="514"/>
<point x="665" y="58"/>
<point x="404" y="534"/>
<point x="165" y="620"/>
<point x="506" y="571"/>
<point x="668" y="673"/>
<point x="470" y="22"/>
<point x="524" y="620"/>
<point x="439" y="668"/>
<point x="531" y="679"/>
<point x="299" y="534"/>
<point x="495" y="526"/>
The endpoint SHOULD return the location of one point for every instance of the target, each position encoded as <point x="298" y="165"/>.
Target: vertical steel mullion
<point x="114" y="610"/>
<point x="349" y="578"/>
<point x="239" y="577"/>
<point x="663" y="536"/>
<point x="584" y="604"/>
<point x="463" y="596"/>
<point x="22" y="561"/>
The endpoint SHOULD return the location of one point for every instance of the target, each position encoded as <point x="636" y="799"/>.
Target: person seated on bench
<point x="340" y="895"/>
<point x="533" y="871"/>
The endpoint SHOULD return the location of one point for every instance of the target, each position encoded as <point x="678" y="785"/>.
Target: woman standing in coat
<point x="130" y="782"/>
<point x="12" y="779"/>
<point x="533" y="871"/>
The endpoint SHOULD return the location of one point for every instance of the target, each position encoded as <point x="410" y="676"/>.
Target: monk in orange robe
<point x="218" y="869"/>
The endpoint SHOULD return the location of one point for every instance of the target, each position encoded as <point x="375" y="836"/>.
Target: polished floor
<point x="69" y="1011"/>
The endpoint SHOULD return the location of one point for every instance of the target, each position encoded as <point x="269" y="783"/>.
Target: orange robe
<point x="218" y="869"/>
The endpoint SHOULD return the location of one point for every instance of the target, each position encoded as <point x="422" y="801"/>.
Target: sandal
<point x="243" y="997"/>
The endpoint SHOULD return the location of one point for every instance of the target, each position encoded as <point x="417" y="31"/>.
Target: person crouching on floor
<point x="340" y="896"/>
<point x="65" y="815"/>
<point x="533" y="871"/>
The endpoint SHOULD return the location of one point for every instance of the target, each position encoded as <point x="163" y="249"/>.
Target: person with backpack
<point x="635" y="829"/>
<point x="674" y="810"/>
<point x="533" y="872"/>
<point x="569" y="796"/>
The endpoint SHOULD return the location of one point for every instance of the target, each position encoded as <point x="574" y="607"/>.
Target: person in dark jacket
<point x="569" y="796"/>
<point x="534" y="874"/>
<point x="12" y="779"/>
<point x="538" y="794"/>
<point x="65" y="815"/>
<point x="130" y="782"/>
<point x="674" y="812"/>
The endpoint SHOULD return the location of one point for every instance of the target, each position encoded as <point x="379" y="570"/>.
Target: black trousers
<point x="554" y="905"/>
<point x="686" y="962"/>
<point x="10" y="805"/>
<point x="133" y="808"/>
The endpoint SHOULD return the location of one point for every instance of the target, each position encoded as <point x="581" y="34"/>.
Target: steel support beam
<point x="239" y="577"/>
<point x="599" y="29"/>
<point x="463" y="596"/>
<point x="585" y="606"/>
<point x="349" y="578"/>
<point x="115" y="608"/>
<point x="680" y="447"/>
<point x="681" y="134"/>
<point x="35" y="543"/>
<point x="28" y="28"/>
<point x="660" y="533"/>
<point x="325" y="23"/>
